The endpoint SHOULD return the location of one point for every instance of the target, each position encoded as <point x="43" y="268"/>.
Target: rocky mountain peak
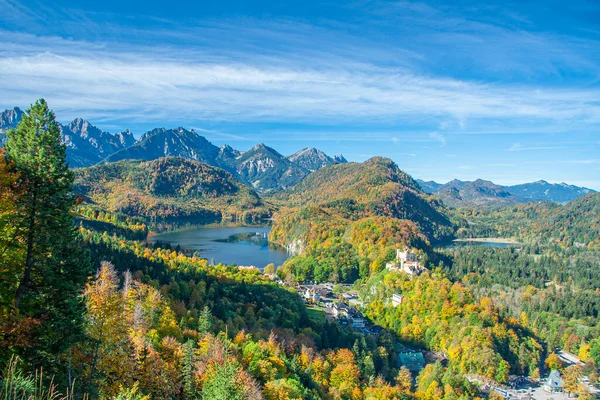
<point x="10" y="118"/>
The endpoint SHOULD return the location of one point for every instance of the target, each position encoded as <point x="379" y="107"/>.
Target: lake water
<point x="472" y="243"/>
<point x="240" y="245"/>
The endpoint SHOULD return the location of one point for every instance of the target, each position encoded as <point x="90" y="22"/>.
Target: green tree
<point x="52" y="276"/>
<point x="223" y="384"/>
<point x="204" y="321"/>
<point x="187" y="367"/>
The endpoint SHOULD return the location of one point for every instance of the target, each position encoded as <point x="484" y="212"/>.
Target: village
<point x="342" y="303"/>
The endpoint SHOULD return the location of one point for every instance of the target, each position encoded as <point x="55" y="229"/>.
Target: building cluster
<point x="313" y="293"/>
<point x="348" y="315"/>
<point x="406" y="261"/>
<point x="343" y="308"/>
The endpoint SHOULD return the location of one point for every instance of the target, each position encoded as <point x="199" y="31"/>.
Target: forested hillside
<point x="376" y="187"/>
<point x="169" y="188"/>
<point x="107" y="314"/>
<point x="152" y="322"/>
<point x="577" y="221"/>
<point x="345" y="221"/>
<point x="551" y="281"/>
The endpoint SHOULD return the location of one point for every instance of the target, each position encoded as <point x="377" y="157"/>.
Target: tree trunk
<point x="29" y="257"/>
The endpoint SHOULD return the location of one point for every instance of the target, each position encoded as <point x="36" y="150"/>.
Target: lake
<point x="481" y="242"/>
<point x="240" y="245"/>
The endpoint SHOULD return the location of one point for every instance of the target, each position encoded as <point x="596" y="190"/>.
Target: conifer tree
<point x="204" y="321"/>
<point x="52" y="276"/>
<point x="187" y="369"/>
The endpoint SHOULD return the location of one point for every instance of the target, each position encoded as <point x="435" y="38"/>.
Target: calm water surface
<point x="241" y="245"/>
<point x="470" y="243"/>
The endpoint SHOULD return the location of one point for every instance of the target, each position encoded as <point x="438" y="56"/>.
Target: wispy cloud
<point x="520" y="147"/>
<point x="585" y="162"/>
<point x="248" y="84"/>
<point x="438" y="137"/>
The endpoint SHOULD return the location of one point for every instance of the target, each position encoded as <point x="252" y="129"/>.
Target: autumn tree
<point x="553" y="362"/>
<point x="270" y="269"/>
<point x="12" y="329"/>
<point x="53" y="272"/>
<point x="404" y="379"/>
<point x="571" y="377"/>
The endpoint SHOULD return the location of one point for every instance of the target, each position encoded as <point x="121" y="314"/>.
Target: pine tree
<point x="204" y="321"/>
<point x="187" y="371"/>
<point x="52" y="276"/>
<point x="223" y="385"/>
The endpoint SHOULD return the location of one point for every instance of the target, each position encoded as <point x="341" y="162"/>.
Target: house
<point x="312" y="295"/>
<point x="340" y="310"/>
<point x="554" y="383"/>
<point x="406" y="261"/>
<point x="349" y="315"/>
<point x="412" y="360"/>
<point x="397" y="299"/>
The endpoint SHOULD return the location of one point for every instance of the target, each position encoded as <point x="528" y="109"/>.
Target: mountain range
<point x="261" y="167"/>
<point x="480" y="192"/>
<point x="86" y="144"/>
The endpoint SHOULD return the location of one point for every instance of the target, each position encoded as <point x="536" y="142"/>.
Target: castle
<point x="406" y="261"/>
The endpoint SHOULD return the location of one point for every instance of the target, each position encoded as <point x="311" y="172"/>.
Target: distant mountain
<point x="474" y="194"/>
<point x="542" y="190"/>
<point x="9" y="119"/>
<point x="261" y="166"/>
<point x="429" y="186"/>
<point x="161" y="142"/>
<point x="86" y="144"/>
<point x="169" y="187"/>
<point x="267" y="170"/>
<point x="458" y="193"/>
<point x="312" y="159"/>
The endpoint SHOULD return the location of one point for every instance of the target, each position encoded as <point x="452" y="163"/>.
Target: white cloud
<point x="85" y="78"/>
<point x="520" y="147"/>
<point x="438" y="137"/>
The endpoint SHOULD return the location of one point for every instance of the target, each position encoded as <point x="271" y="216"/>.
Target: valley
<point x="306" y="277"/>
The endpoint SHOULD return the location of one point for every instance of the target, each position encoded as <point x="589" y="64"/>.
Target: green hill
<point x="345" y="221"/>
<point x="169" y="187"/>
<point x="376" y="187"/>
<point x="578" y="220"/>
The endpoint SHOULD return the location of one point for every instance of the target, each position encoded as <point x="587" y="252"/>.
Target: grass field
<point x="316" y="314"/>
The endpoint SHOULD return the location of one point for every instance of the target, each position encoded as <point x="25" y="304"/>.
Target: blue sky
<point x="506" y="91"/>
